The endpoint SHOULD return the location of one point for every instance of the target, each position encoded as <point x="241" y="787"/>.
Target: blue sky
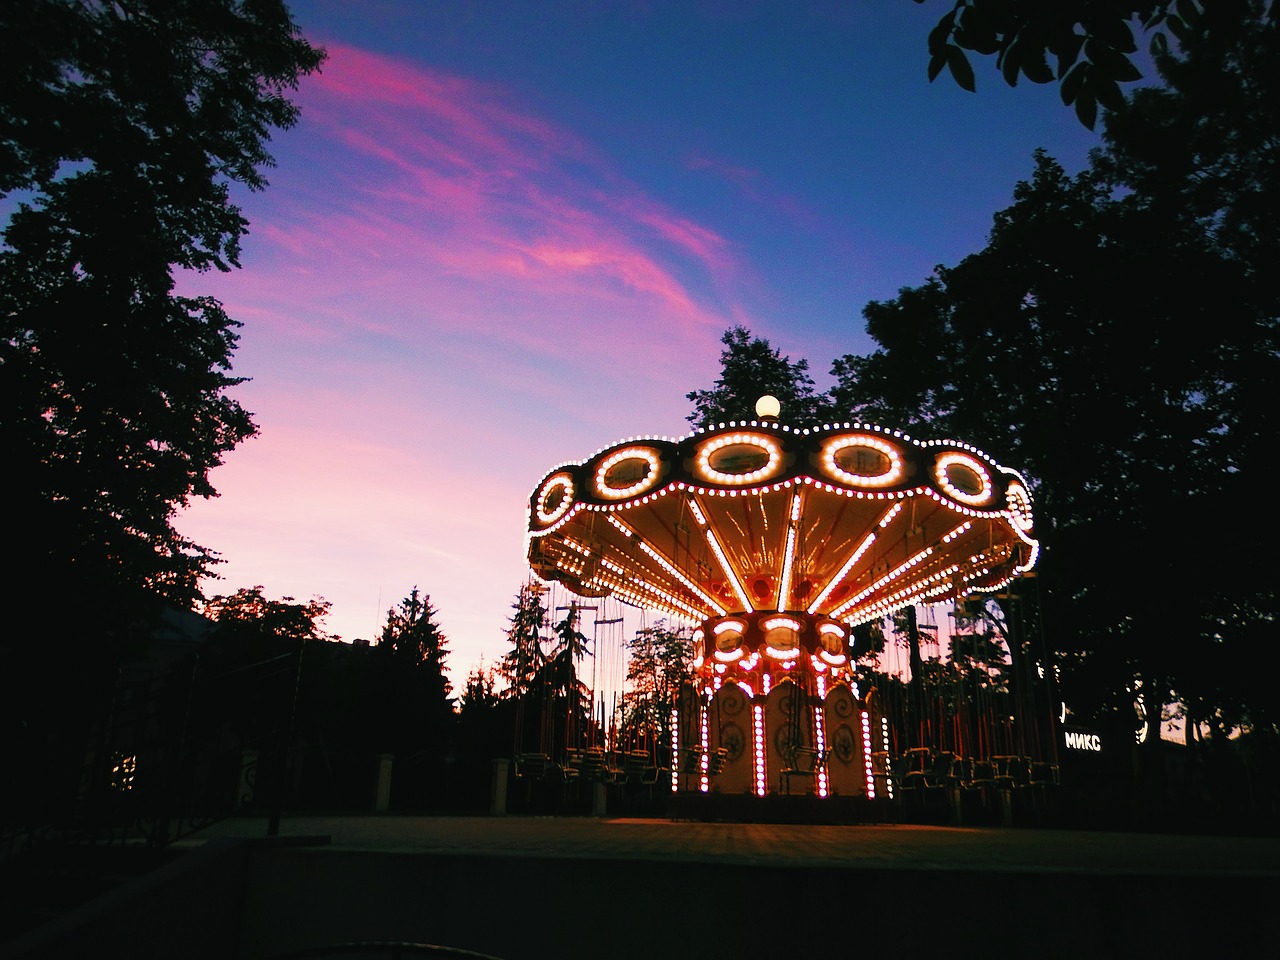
<point x="505" y="235"/>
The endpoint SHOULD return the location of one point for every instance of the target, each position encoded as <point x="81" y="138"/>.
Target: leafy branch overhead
<point x="1085" y="46"/>
<point x="122" y="129"/>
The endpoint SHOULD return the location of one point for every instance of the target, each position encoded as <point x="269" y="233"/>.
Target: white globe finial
<point x="768" y="407"/>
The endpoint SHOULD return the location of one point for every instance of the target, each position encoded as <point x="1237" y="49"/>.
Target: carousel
<point x="777" y="545"/>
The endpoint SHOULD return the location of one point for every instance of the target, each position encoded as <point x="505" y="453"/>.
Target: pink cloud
<point x="470" y="110"/>
<point x="750" y="183"/>
<point x="445" y="169"/>
<point x="636" y="271"/>
<point x="444" y="295"/>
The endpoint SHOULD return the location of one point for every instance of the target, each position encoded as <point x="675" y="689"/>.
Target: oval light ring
<point x="832" y="636"/>
<point x="950" y="467"/>
<point x="555" y="497"/>
<point x="1019" y="501"/>
<point x="628" y="472"/>
<point x="893" y="465"/>
<point x="728" y="641"/>
<point x="760" y="456"/>
<point x="781" y="638"/>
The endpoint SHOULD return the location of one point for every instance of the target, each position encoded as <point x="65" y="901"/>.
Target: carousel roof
<point x="849" y="521"/>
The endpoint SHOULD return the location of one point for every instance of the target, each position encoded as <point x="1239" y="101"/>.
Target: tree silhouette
<point x="1084" y="46"/>
<point x="248" y="613"/>
<point x="122" y="125"/>
<point x="560" y="675"/>
<point x="480" y="692"/>
<point x="751" y="368"/>
<point x="1111" y="346"/>
<point x="259" y="637"/>
<point x="412" y="636"/>
<point x="485" y="721"/>
<point x="1203" y="146"/>
<point x="659" y="660"/>
<point x="520" y="666"/>
<point x="414" y="648"/>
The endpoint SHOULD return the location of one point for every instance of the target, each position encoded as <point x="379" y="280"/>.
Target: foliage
<point x="552" y="699"/>
<point x="342" y="703"/>
<point x="412" y="636"/>
<point x="1204" y="145"/>
<point x="413" y="716"/>
<point x="480" y="692"/>
<point x="659" y="661"/>
<point x="1198" y="157"/>
<point x="1078" y="345"/>
<point x="1116" y="340"/>
<point x="571" y="642"/>
<point x="1091" y="42"/>
<point x="560" y="669"/>
<point x="247" y="613"/>
<point x="751" y="368"/>
<point x="520" y="665"/>
<point x="413" y="649"/>
<point x="867" y="639"/>
<point x="122" y="126"/>
<point x="485" y="725"/>
<point x="263" y="640"/>
<point x="256" y="649"/>
<point x="978" y="645"/>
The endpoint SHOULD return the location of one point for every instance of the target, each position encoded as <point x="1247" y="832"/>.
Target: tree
<point x="413" y="641"/>
<point x="551" y="698"/>
<point x="1117" y="339"/>
<point x="978" y="643"/>
<point x="1201" y="154"/>
<point x="751" y="368"/>
<point x="414" y="717"/>
<point x="480" y="694"/>
<point x="486" y="719"/>
<point x="1090" y="41"/>
<point x="521" y="664"/>
<point x="122" y="126"/>
<point x="571" y="645"/>
<point x="412" y="635"/>
<point x="1205" y="144"/>
<point x="560" y="675"/>
<point x="249" y="611"/>
<point x="659" y="660"/>
<point x="1074" y="346"/>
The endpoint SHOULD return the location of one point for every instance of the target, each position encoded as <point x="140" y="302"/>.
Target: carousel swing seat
<point x="535" y="766"/>
<point x="802" y="762"/>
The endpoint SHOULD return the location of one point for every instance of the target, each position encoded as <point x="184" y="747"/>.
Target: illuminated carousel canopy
<point x="845" y="522"/>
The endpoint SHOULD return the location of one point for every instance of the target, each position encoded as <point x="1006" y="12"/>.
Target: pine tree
<point x="751" y="368"/>
<point x="522" y="663"/>
<point x="418" y="714"/>
<point x="413" y="637"/>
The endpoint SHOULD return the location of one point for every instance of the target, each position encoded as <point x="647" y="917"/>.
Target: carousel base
<point x="543" y="798"/>
<point x="650" y="889"/>
<point x="997" y="808"/>
<point x="779" y="808"/>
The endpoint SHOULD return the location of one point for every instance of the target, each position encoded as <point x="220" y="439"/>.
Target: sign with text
<point x="1082" y="741"/>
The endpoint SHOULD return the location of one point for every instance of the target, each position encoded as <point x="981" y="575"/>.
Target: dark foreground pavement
<point x="517" y="887"/>
<point x="857" y="847"/>
<point x="541" y="887"/>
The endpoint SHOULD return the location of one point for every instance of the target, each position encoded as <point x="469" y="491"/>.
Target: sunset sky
<point x="507" y="234"/>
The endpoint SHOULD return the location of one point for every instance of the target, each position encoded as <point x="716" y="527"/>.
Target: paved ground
<point x="626" y="889"/>
<point x="780" y="845"/>
<point x="534" y="887"/>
